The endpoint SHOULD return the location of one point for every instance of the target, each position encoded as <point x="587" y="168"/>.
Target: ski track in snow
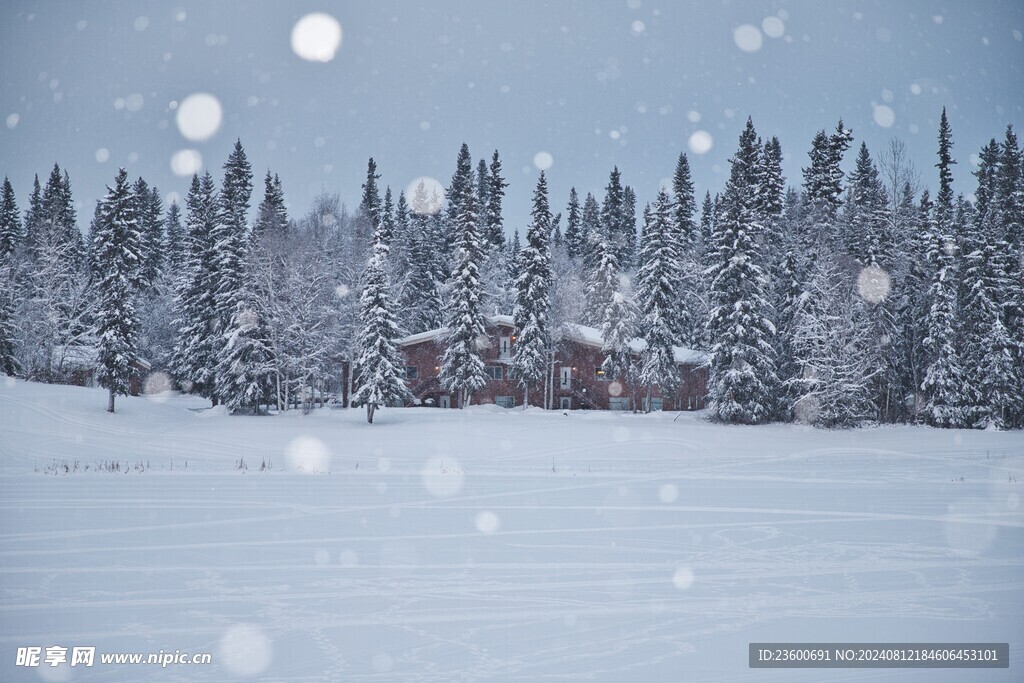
<point x="360" y="573"/>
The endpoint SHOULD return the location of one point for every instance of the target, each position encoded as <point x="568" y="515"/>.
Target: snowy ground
<point x="495" y="545"/>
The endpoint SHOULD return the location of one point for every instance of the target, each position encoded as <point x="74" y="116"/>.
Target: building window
<point x="618" y="403"/>
<point x="412" y="372"/>
<point x="599" y="373"/>
<point x="493" y="371"/>
<point x="505" y="401"/>
<point x="653" y="404"/>
<point x="505" y="348"/>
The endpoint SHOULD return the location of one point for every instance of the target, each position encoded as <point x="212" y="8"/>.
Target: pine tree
<point x="10" y="239"/>
<point x="1008" y="203"/>
<point x="234" y="316"/>
<point x="629" y="226"/>
<point x="9" y="363"/>
<point x="823" y="189"/>
<point x="462" y="183"/>
<point x="272" y="216"/>
<point x="533" y="300"/>
<point x="462" y="368"/>
<point x="990" y="377"/>
<point x="58" y="219"/>
<point x="593" y="232"/>
<point x="863" y="220"/>
<point x="575" y="240"/>
<point x="379" y="377"/>
<point x="34" y="215"/>
<point x="686" y="243"/>
<point x="658" y="300"/>
<point x="771" y="191"/>
<point x="195" y="353"/>
<point x="117" y="320"/>
<point x="943" y="378"/>
<point x="149" y="211"/>
<point x="368" y="215"/>
<point x="617" y="320"/>
<point x="613" y="219"/>
<point x="387" y="218"/>
<point x="742" y="379"/>
<point x="495" y="195"/>
<point x="483" y="190"/>
<point x="422" y="300"/>
<point x="10" y="222"/>
<point x="174" y="240"/>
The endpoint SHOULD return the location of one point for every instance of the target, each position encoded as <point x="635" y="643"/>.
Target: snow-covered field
<point x="494" y="545"/>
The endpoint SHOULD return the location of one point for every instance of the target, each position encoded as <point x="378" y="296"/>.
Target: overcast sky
<point x="97" y="85"/>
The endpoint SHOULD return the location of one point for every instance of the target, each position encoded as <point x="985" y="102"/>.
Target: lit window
<point x="599" y="373"/>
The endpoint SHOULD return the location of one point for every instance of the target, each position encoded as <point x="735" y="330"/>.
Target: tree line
<point x="849" y="299"/>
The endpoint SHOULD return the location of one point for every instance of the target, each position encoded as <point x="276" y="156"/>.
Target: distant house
<point x="80" y="364"/>
<point x="578" y="382"/>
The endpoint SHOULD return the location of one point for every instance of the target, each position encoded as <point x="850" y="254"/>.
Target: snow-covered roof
<point x="581" y="333"/>
<point x="591" y="336"/>
<point x="504" y="320"/>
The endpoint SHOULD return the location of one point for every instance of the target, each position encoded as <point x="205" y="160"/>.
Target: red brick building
<point x="577" y="382"/>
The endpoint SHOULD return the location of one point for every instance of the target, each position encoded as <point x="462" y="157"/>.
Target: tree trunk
<point x="370" y="408"/>
<point x="348" y="383"/>
<point x="526" y="396"/>
<point x="110" y="401"/>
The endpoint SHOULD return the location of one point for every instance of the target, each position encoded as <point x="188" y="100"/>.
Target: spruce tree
<point x="462" y="368"/>
<point x="58" y="219"/>
<point x="685" y="241"/>
<point x="195" y="353"/>
<point x="483" y="189"/>
<point x="823" y="190"/>
<point x="234" y="315"/>
<point x="533" y="300"/>
<point x="379" y="376"/>
<point x="592" y="232"/>
<point x="175" y="247"/>
<point x="990" y="377"/>
<point x="34" y="215"/>
<point x="575" y="240"/>
<point x="9" y="363"/>
<point x="10" y="239"/>
<point x="151" y="231"/>
<point x="10" y="222"/>
<point x="629" y="238"/>
<point x="427" y="265"/>
<point x="613" y="219"/>
<point x="742" y="383"/>
<point x="117" y="321"/>
<point x="771" y="191"/>
<point x="462" y="183"/>
<point x="658" y="300"/>
<point x="368" y="215"/>
<point x="618" y="318"/>
<point x="1008" y="201"/>
<point x="943" y="379"/>
<point x="495" y="195"/>
<point x="272" y="216"/>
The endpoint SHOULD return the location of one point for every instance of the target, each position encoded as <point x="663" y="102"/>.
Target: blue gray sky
<point x="96" y="85"/>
